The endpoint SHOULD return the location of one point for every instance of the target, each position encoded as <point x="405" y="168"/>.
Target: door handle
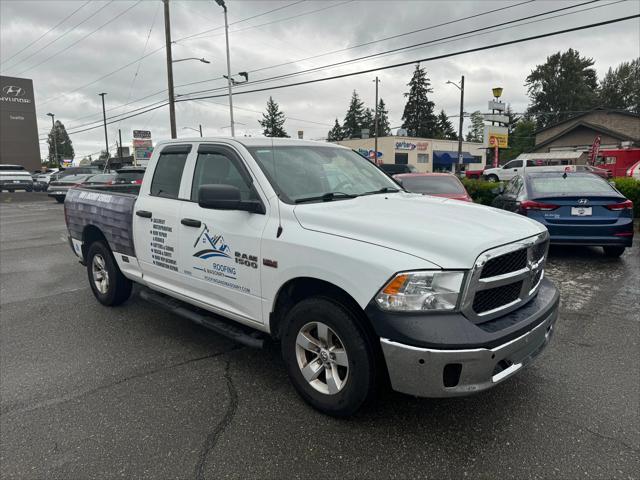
<point x="143" y="213"/>
<point x="190" y="222"/>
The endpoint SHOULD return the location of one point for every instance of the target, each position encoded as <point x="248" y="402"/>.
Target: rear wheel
<point x="613" y="251"/>
<point x="328" y="356"/>
<point x="108" y="284"/>
<point x="60" y="199"/>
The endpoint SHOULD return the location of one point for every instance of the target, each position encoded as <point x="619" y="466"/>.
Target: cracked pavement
<point x="92" y="392"/>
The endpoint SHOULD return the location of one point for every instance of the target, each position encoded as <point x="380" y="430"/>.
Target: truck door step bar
<point x="245" y="336"/>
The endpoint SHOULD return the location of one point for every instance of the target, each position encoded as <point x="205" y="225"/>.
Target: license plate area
<point x="581" y="211"/>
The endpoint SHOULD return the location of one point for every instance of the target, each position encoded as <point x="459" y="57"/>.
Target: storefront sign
<point x="423" y="146"/>
<point x="370" y="154"/>
<point x="142" y="143"/>
<point x="141" y="134"/>
<point x="496" y="134"/>
<point x="404" y="145"/>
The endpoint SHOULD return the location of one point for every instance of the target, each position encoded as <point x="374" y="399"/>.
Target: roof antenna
<point x="275" y="173"/>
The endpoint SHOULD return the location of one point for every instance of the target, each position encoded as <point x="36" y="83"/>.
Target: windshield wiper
<point x="327" y="197"/>
<point x="382" y="190"/>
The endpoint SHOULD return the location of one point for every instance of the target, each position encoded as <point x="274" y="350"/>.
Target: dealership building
<point x="18" y="126"/>
<point x="426" y="154"/>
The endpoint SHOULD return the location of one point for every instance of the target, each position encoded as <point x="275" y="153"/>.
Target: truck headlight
<point x="421" y="291"/>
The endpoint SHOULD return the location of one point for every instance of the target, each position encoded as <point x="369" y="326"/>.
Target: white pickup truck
<point x="310" y="244"/>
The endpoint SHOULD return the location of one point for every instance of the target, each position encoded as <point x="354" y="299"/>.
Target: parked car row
<point x="59" y="187"/>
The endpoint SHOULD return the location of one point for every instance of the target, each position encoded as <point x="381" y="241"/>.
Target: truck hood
<point x="449" y="233"/>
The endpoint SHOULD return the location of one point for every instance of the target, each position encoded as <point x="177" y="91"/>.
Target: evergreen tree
<point x="335" y="134"/>
<point x="418" y="117"/>
<point x="273" y="121"/>
<point x="62" y="142"/>
<point x="444" y="128"/>
<point x="353" y="119"/>
<point x="476" y="131"/>
<point x="620" y="88"/>
<point x="368" y="121"/>
<point x="561" y="86"/>
<point x="384" y="129"/>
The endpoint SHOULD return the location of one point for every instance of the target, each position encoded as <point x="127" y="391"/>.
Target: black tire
<point x="613" y="251"/>
<point x="118" y="287"/>
<point x="29" y="189"/>
<point x="492" y="178"/>
<point x="60" y="199"/>
<point x="362" y="373"/>
<point x="11" y="190"/>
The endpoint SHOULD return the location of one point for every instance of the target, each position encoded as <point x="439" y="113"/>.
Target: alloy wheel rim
<point x="322" y="358"/>
<point x="100" y="274"/>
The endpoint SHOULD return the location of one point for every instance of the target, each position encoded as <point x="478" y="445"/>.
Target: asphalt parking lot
<point x="93" y="392"/>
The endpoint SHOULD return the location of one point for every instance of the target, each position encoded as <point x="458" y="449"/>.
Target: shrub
<point x="630" y="188"/>
<point x="481" y="191"/>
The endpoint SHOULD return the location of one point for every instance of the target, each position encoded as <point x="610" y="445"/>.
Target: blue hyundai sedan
<point x="577" y="208"/>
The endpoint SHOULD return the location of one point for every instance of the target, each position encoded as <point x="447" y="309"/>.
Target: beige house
<point x="426" y="154"/>
<point x="615" y="129"/>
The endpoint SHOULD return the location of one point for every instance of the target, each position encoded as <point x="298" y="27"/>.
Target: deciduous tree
<point x="620" y="87"/>
<point x="476" y="131"/>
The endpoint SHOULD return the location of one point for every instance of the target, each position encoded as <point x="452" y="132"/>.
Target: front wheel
<point x="60" y="199"/>
<point x="492" y="178"/>
<point x="613" y="251"/>
<point x="328" y="356"/>
<point x="107" y="282"/>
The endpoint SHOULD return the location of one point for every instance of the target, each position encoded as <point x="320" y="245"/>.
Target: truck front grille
<point x="505" y="278"/>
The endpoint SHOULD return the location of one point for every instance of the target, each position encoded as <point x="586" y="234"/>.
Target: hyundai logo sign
<point x="583" y="201"/>
<point x="13" y="91"/>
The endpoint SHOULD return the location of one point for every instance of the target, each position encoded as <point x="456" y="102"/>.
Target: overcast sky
<point x="67" y="63"/>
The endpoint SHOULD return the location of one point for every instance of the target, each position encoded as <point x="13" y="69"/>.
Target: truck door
<point x="510" y="170"/>
<point x="220" y="249"/>
<point x="157" y="216"/>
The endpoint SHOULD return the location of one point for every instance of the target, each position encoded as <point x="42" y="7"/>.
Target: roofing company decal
<point x="215" y="245"/>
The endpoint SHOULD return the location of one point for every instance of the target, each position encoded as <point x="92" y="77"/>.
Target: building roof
<point x="592" y="126"/>
<point x="580" y="115"/>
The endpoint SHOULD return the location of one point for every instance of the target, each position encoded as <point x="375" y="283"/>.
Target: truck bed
<point x="108" y="208"/>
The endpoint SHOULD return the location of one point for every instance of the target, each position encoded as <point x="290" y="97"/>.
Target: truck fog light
<point x="421" y="291"/>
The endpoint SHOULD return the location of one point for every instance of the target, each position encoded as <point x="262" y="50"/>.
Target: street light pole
<point x="229" y="80"/>
<point x="167" y="36"/>
<point x="461" y="120"/>
<point x="104" y="119"/>
<point x="375" y="144"/>
<point x="200" y="128"/>
<point x="55" y="138"/>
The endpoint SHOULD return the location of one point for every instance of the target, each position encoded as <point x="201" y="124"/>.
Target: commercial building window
<point x="477" y="159"/>
<point x="423" y="158"/>
<point x="402" y="158"/>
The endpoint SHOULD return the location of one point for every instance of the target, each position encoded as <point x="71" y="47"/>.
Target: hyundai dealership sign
<point x="18" y="126"/>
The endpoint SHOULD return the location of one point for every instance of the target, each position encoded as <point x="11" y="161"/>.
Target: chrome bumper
<point x="426" y="372"/>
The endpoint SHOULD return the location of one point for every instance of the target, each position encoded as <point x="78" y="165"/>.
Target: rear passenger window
<point x="168" y="173"/>
<point x="218" y="168"/>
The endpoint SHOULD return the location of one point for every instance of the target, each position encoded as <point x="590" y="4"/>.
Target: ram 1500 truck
<point x="313" y="245"/>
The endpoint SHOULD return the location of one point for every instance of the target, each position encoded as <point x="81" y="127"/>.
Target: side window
<point x="514" y="164"/>
<point x="168" y="173"/>
<point x="218" y="168"/>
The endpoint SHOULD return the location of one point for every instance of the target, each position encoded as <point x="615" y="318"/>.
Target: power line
<point x="396" y="65"/>
<point x="47" y="32"/>
<point x="62" y="35"/>
<point x="399" y="49"/>
<point x="80" y="40"/>
<point x="242" y="20"/>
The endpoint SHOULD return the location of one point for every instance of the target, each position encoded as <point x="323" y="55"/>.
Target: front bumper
<point x="16" y="185"/>
<point x="446" y="370"/>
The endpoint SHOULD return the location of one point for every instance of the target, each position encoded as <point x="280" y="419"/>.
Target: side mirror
<point x="226" y="197"/>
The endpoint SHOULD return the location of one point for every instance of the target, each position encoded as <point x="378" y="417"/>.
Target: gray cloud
<point x="123" y="41"/>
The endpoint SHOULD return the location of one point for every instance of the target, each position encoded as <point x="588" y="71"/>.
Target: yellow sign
<point x="501" y="138"/>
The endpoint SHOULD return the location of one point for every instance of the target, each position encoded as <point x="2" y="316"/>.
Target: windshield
<point x="306" y="172"/>
<point x="103" y="177"/>
<point x="129" y="177"/>
<point x="436" y="185"/>
<point x="571" y="185"/>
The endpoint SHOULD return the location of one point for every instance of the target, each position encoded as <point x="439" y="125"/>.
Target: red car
<point x="436" y="184"/>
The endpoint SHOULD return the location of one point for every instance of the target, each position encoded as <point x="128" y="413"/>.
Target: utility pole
<point x="167" y="35"/>
<point x="461" y="120"/>
<point x="120" y="146"/>
<point x="55" y="138"/>
<point x="200" y="128"/>
<point x="229" y="80"/>
<point x="104" y="118"/>
<point x="375" y="145"/>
